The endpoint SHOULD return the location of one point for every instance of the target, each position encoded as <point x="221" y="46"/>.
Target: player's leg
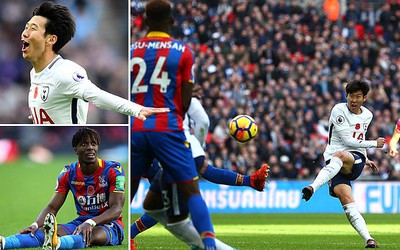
<point x="142" y="224"/>
<point x="141" y="158"/>
<point x="179" y="164"/>
<point x="60" y="235"/>
<point x="341" y="160"/>
<point x="221" y="176"/>
<point x="47" y="235"/>
<point x="344" y="193"/>
<point x="22" y="240"/>
<point x="110" y="234"/>
<point x="175" y="211"/>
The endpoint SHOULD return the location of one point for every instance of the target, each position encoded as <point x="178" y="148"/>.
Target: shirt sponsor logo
<point x="78" y="183"/>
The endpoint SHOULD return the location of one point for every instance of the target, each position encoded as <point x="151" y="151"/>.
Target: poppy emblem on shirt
<point x="45" y="93"/>
<point x="78" y="77"/>
<point x="358" y="126"/>
<point x="36" y="92"/>
<point x="90" y="190"/>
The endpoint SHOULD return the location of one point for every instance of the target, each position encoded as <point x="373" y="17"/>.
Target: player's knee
<point x="153" y="201"/>
<point x="190" y="189"/>
<point x="342" y="155"/>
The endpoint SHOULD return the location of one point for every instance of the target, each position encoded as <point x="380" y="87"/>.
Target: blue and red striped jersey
<point x="92" y="193"/>
<point x="159" y="65"/>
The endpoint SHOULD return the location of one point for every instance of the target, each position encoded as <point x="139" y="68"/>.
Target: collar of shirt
<point x="158" y="34"/>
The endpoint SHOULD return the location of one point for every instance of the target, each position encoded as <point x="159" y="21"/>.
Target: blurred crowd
<point x="41" y="143"/>
<point x="100" y="45"/>
<point x="285" y="63"/>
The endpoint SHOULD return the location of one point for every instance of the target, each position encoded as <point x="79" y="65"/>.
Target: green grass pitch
<point x="285" y="231"/>
<point x="27" y="187"/>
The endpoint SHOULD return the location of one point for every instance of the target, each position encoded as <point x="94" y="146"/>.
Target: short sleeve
<point x="338" y="118"/>
<point x="62" y="181"/>
<point x="116" y="178"/>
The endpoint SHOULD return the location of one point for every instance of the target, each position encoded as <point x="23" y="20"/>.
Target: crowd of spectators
<point x="286" y="64"/>
<point x="100" y="46"/>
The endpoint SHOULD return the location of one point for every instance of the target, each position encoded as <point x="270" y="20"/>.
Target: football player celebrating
<point x="346" y="155"/>
<point x="60" y="89"/>
<point x="98" y="187"/>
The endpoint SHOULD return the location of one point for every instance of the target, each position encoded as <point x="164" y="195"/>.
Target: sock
<point x="202" y="221"/>
<point x="24" y="240"/>
<point x="185" y="231"/>
<point x="327" y="173"/>
<point x="71" y="242"/>
<point x="222" y="176"/>
<point x="158" y="215"/>
<point x="143" y="223"/>
<point x="356" y="220"/>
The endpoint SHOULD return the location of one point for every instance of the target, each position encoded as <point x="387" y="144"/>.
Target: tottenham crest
<point x="45" y="93"/>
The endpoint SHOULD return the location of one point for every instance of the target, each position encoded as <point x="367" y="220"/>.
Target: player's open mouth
<point x="25" y="45"/>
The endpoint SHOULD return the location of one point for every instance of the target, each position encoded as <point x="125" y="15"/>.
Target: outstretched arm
<point x="393" y="142"/>
<point x="108" y="101"/>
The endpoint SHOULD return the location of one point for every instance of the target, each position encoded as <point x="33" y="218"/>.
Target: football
<point x="243" y="128"/>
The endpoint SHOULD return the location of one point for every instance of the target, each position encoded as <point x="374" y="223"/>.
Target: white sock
<point x="158" y="215"/>
<point x="186" y="232"/>
<point x="356" y="220"/>
<point x="327" y="173"/>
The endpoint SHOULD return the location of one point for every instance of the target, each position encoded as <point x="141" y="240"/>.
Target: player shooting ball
<point x="60" y="90"/>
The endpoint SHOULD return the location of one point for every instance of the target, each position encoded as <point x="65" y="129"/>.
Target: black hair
<point x="356" y="85"/>
<point x="84" y="133"/>
<point x="60" y="22"/>
<point x="158" y="12"/>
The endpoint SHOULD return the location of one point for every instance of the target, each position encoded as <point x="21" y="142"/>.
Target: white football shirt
<point x="60" y="93"/>
<point x="196" y="119"/>
<point x="347" y="131"/>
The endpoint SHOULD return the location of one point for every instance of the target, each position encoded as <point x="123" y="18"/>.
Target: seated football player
<point x="98" y="188"/>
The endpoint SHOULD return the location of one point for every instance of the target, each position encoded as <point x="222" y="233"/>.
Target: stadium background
<point x="285" y="63"/>
<point x="31" y="159"/>
<point x="100" y="46"/>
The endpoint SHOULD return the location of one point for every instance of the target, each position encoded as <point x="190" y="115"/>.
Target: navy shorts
<point x="358" y="166"/>
<point x="172" y="196"/>
<point x="114" y="231"/>
<point x="171" y="149"/>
